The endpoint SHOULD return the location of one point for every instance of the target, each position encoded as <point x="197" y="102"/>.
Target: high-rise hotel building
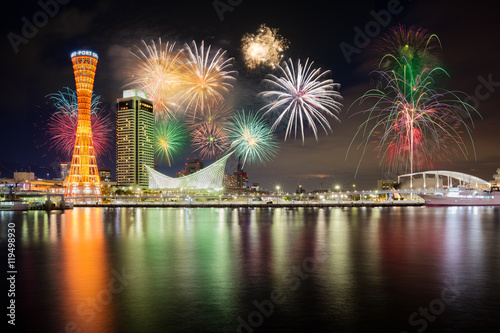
<point x="134" y="139"/>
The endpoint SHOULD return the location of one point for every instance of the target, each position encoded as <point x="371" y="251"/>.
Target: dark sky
<point x="468" y="33"/>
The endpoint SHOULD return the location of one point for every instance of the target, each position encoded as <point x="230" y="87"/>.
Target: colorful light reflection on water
<point x="352" y="269"/>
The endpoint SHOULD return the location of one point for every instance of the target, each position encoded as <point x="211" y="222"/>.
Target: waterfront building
<point x="191" y="166"/>
<point x="385" y="184"/>
<point x="206" y="179"/>
<point x="22" y="176"/>
<point x="105" y="175"/>
<point x="496" y="178"/>
<point x="230" y="182"/>
<point x="65" y="170"/>
<point x="134" y="139"/>
<point x="241" y="179"/>
<point x="255" y="187"/>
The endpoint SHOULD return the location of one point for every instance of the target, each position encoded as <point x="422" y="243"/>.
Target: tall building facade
<point x="134" y="139"/>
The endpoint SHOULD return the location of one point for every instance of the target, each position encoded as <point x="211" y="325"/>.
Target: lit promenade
<point x="341" y="199"/>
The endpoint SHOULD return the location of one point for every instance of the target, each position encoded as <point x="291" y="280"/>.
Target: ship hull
<point x="13" y="205"/>
<point x="435" y="200"/>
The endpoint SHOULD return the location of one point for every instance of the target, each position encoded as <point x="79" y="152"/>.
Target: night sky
<point x="468" y="32"/>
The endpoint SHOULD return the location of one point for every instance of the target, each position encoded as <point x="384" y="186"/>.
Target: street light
<point x="278" y="189"/>
<point x="337" y="187"/>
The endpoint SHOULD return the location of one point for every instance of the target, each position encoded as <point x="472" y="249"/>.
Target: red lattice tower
<point x="83" y="176"/>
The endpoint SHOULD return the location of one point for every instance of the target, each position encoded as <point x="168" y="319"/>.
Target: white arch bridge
<point x="444" y="179"/>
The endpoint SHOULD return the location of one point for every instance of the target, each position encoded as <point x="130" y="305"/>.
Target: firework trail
<point x="157" y="73"/>
<point x="302" y="97"/>
<point x="205" y="77"/>
<point x="62" y="124"/>
<point x="252" y="139"/>
<point x="170" y="139"/>
<point x="265" y="48"/>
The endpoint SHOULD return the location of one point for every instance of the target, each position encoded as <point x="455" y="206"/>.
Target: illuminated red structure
<point x="83" y="178"/>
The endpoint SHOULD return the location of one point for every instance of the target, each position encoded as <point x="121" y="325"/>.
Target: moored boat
<point x="13" y="205"/>
<point x="463" y="197"/>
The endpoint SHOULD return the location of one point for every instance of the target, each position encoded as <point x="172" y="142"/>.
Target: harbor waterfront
<point x="261" y="269"/>
<point x="37" y="200"/>
<point x="245" y="166"/>
<point x="254" y="204"/>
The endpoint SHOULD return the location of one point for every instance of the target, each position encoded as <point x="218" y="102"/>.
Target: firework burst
<point x="170" y="139"/>
<point x="62" y="124"/>
<point x="405" y="47"/>
<point x="157" y="73"/>
<point x="218" y="113"/>
<point x="302" y="97"/>
<point x="209" y="130"/>
<point x="252" y="139"/>
<point x="413" y="123"/>
<point x="265" y="48"/>
<point x="205" y="77"/>
<point x="209" y="139"/>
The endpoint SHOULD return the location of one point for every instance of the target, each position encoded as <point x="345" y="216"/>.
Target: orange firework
<point x="205" y="77"/>
<point x="157" y="74"/>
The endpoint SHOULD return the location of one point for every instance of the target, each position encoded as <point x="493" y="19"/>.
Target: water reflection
<point x="84" y="272"/>
<point x="202" y="269"/>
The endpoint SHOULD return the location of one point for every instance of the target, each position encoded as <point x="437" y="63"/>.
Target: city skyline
<point x="42" y="66"/>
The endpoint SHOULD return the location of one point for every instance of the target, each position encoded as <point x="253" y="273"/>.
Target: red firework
<point x="62" y="125"/>
<point x="210" y="139"/>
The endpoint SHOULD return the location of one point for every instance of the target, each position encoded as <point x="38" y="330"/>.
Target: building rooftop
<point x="133" y="93"/>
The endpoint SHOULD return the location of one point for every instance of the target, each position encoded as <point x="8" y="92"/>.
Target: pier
<point x="331" y="199"/>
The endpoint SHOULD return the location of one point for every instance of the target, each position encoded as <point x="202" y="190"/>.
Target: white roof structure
<point x="463" y="178"/>
<point x="210" y="177"/>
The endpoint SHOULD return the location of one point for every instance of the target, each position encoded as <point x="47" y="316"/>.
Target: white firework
<point x="302" y="96"/>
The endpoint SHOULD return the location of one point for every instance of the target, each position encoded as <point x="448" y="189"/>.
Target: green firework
<point x="252" y="139"/>
<point x="170" y="139"/>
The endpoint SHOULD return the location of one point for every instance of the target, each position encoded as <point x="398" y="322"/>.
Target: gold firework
<point x="158" y="74"/>
<point x="264" y="48"/>
<point x="205" y="77"/>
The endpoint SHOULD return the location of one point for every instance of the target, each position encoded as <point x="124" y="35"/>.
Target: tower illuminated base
<point x="83" y="178"/>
